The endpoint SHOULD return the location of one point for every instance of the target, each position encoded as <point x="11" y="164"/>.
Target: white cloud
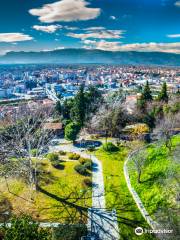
<point x="14" y="37"/>
<point x="65" y="10"/>
<point x="48" y="29"/>
<point x="113" y="18"/>
<point x="102" y="34"/>
<point x="173" y="35"/>
<point x="139" y="47"/>
<point x="177" y="4"/>
<point x="71" y="28"/>
<point x="94" y="28"/>
<point x="102" y="45"/>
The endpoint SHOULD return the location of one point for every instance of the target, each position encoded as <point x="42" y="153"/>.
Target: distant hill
<point x="75" y="56"/>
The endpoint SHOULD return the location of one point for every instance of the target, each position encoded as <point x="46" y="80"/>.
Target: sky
<point x="110" y="25"/>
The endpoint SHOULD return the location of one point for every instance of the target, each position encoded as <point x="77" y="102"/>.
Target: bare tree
<point x="139" y="159"/>
<point x="110" y="118"/>
<point x="166" y="127"/>
<point x="25" y="134"/>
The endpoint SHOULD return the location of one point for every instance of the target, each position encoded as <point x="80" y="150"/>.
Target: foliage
<point x="81" y="169"/>
<point x="83" y="160"/>
<point x="146" y="94"/>
<point x="58" y="108"/>
<point x="71" y="131"/>
<point x="88" y="165"/>
<point x="25" y="228"/>
<point x="79" y="107"/>
<point x="87" y="182"/>
<point x="62" y="153"/>
<point x="110" y="147"/>
<point x="69" y="232"/>
<point x="74" y="156"/>
<point x="163" y="95"/>
<point x="139" y="129"/>
<point x="53" y="157"/>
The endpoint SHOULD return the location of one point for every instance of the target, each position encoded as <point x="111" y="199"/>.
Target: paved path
<point x="101" y="222"/>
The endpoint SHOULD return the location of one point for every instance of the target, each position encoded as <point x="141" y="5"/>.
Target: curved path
<point x="100" y="222"/>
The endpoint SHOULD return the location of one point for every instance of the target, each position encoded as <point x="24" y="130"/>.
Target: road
<point x="101" y="222"/>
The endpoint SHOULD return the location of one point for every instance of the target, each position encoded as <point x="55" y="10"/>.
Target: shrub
<point x="69" y="232"/>
<point x="88" y="165"/>
<point x="91" y="149"/>
<point x="81" y="169"/>
<point x="55" y="161"/>
<point x="74" y="156"/>
<point x="110" y="147"/>
<point x="62" y="153"/>
<point x="87" y="182"/>
<point x="83" y="160"/>
<point x="53" y="157"/>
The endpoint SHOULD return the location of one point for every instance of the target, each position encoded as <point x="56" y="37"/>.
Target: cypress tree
<point x="146" y="94"/>
<point x="163" y="95"/>
<point x="79" y="108"/>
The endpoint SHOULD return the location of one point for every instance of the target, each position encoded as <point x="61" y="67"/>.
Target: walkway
<point x="100" y="222"/>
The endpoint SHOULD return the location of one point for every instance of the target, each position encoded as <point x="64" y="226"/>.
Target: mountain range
<point x="80" y="56"/>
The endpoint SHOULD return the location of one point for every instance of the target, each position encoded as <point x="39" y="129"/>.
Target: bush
<point x="110" y="147"/>
<point x="62" y="153"/>
<point x="87" y="182"/>
<point x="91" y="149"/>
<point x="69" y="232"/>
<point x="55" y="161"/>
<point x="88" y="165"/>
<point x="53" y="157"/>
<point x="83" y="160"/>
<point x="81" y="169"/>
<point x="74" y="156"/>
<point x="24" y="227"/>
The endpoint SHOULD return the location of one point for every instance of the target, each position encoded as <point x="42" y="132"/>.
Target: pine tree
<point x="79" y="108"/>
<point x="163" y="95"/>
<point x="58" y="108"/>
<point x="146" y="94"/>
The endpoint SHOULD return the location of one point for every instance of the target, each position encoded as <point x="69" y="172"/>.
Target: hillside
<point x="69" y="56"/>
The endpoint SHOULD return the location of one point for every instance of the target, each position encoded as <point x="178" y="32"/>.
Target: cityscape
<point x="89" y="120"/>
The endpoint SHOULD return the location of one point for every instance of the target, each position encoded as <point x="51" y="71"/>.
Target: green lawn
<point x="63" y="196"/>
<point x="118" y="196"/>
<point x="159" y="182"/>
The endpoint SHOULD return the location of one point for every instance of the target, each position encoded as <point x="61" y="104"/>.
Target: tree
<point x="58" y="108"/>
<point x="93" y="100"/>
<point x="165" y="127"/>
<point x="146" y="94"/>
<point x="102" y="121"/>
<point x="79" y="107"/>
<point x="139" y="129"/>
<point x="25" y="228"/>
<point x="71" y="131"/>
<point x="139" y="160"/>
<point x="25" y="133"/>
<point x="163" y="95"/>
<point x="66" y="108"/>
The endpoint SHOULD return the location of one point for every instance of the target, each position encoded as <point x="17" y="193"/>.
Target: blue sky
<point x="117" y="25"/>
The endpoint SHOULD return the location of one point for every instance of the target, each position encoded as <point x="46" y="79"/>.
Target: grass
<point x="62" y="198"/>
<point x="159" y="182"/>
<point x="118" y="196"/>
